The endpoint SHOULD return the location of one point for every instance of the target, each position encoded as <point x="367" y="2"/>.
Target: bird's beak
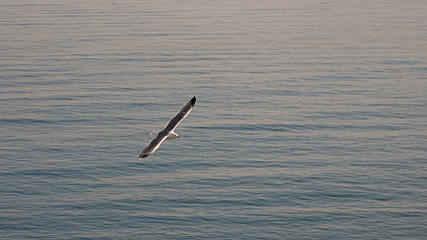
<point x="178" y="136"/>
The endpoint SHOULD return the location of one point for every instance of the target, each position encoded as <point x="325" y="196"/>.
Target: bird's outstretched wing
<point x="170" y="126"/>
<point x="153" y="145"/>
<point x="185" y="110"/>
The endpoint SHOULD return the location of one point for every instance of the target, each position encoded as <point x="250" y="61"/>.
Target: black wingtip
<point x="193" y="100"/>
<point x="141" y="156"/>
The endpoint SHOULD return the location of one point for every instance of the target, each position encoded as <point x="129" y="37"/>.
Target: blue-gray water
<point x="311" y="119"/>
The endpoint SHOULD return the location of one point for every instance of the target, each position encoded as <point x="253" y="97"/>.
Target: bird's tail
<point x="154" y="134"/>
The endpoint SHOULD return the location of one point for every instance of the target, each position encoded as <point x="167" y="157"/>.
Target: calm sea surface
<point x="310" y="123"/>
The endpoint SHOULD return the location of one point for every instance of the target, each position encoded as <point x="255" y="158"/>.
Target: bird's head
<point x="173" y="135"/>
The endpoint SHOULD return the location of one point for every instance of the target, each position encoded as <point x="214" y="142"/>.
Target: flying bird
<point x="168" y="131"/>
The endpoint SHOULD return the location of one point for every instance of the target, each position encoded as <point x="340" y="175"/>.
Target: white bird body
<point x="168" y="131"/>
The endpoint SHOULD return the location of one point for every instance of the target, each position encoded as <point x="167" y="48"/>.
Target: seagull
<point x="168" y="131"/>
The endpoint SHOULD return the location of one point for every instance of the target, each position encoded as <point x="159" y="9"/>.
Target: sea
<point x="310" y="120"/>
